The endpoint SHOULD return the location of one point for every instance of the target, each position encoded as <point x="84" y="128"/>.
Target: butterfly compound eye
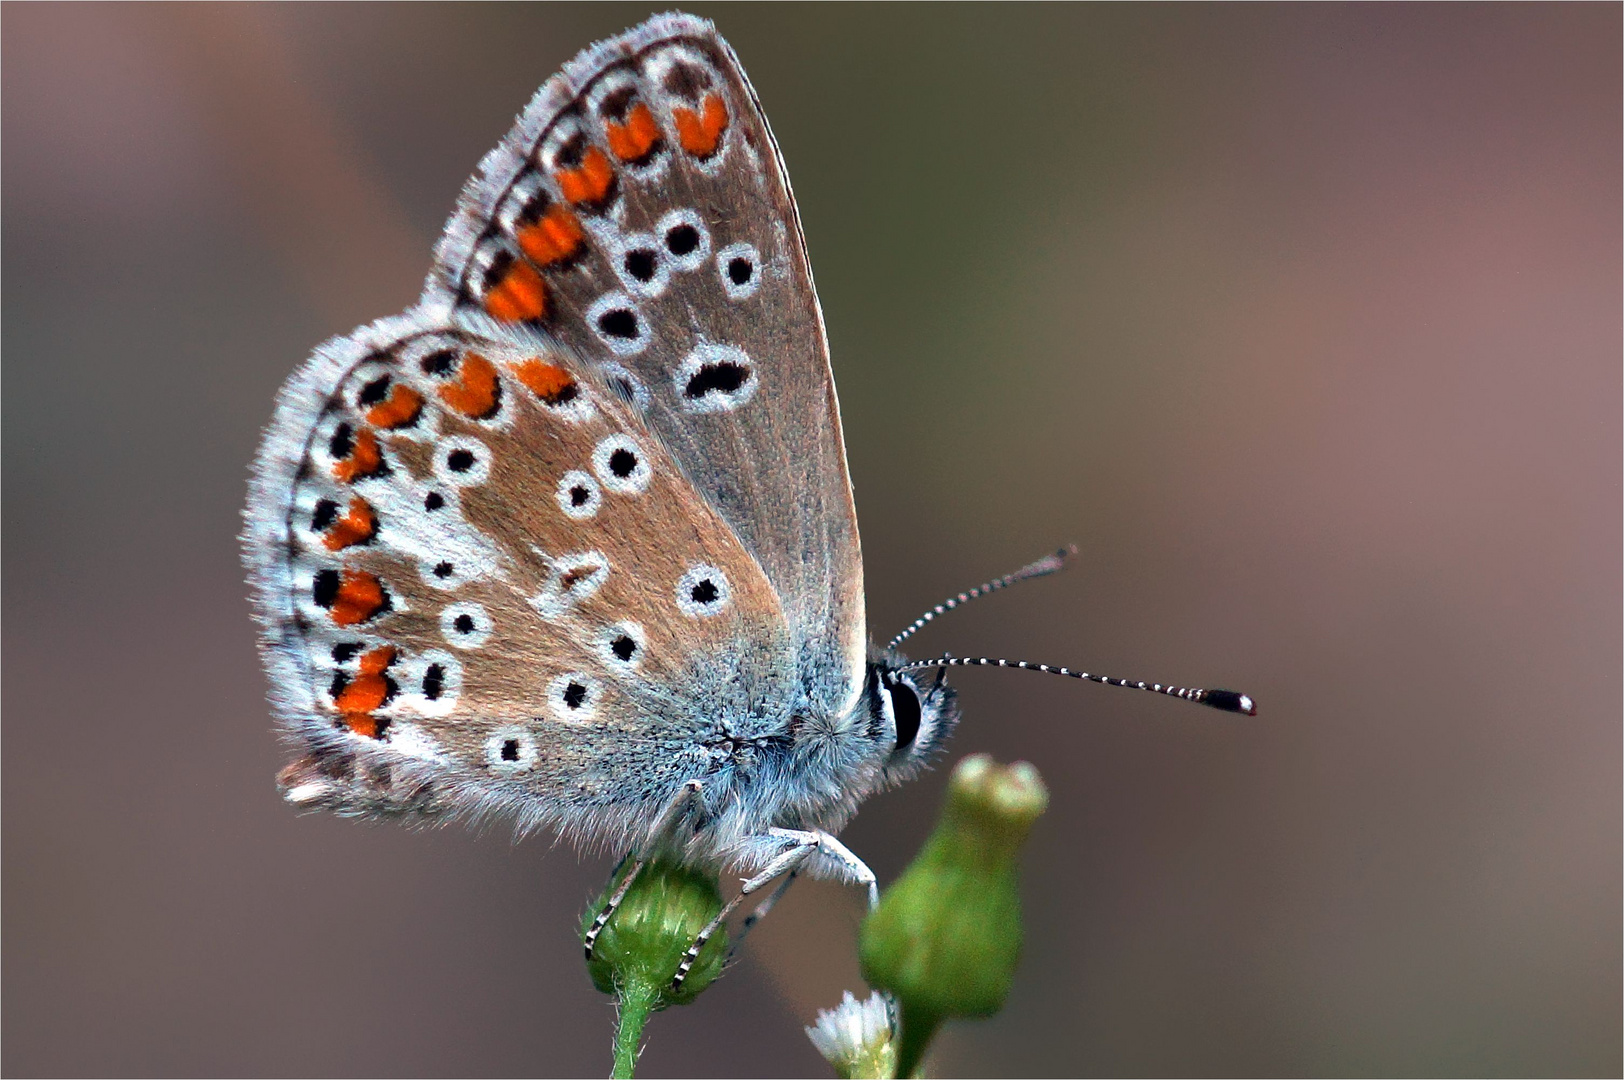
<point x="906" y="708"/>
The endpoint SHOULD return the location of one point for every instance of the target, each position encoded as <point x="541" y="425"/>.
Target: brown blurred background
<point x="1302" y="322"/>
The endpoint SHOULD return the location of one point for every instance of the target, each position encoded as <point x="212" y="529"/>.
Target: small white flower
<point x="856" y="1036"/>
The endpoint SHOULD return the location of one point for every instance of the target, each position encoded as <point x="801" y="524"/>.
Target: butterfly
<point x="571" y="541"/>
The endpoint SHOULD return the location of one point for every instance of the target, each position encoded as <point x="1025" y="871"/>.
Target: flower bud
<point x="946" y="937"/>
<point x="638" y="951"/>
<point x="658" y="919"/>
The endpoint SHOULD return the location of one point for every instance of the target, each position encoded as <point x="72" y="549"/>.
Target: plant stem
<point x="636" y="1003"/>
<point x="917" y="1027"/>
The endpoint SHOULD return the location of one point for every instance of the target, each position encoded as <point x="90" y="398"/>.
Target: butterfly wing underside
<point x="577" y="527"/>
<point x="640" y="214"/>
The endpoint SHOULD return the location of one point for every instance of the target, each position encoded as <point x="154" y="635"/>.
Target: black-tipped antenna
<point x="1049" y="564"/>
<point x="1227" y="700"/>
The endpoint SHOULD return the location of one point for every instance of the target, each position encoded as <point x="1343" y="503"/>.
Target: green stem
<point x="918" y="1027"/>
<point x="637" y="1001"/>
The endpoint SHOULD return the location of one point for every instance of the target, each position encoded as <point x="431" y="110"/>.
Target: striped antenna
<point x="1227" y="700"/>
<point x="1049" y="564"/>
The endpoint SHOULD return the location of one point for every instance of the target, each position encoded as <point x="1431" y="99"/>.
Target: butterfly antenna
<point x="1045" y="566"/>
<point x="1226" y="700"/>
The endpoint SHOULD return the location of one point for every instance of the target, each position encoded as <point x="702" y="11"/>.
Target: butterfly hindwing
<point x="639" y="214"/>
<point x="481" y="574"/>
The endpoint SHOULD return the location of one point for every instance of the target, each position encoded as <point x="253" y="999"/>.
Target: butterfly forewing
<point x="639" y="214"/>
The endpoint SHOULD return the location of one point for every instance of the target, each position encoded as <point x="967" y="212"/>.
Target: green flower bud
<point x="946" y="937"/>
<point x="638" y="951"/>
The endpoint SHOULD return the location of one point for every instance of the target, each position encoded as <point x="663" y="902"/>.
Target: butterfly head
<point x="911" y="714"/>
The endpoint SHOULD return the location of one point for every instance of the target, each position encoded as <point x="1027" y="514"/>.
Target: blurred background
<point x="1303" y="323"/>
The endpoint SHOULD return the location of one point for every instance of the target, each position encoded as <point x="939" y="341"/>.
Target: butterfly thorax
<point x="814" y="772"/>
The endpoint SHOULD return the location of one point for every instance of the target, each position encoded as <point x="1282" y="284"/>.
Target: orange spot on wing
<point x="364" y="725"/>
<point x="398" y="410"/>
<point x="635" y="137"/>
<point x="366" y="692"/>
<point x="357" y="526"/>
<point x="360" y="596"/>
<point x="365" y="459"/>
<point x="553" y="239"/>
<point x="520" y="296"/>
<point x="549" y="382"/>
<point x="377" y="661"/>
<point x="701" y="132"/>
<point x="475" y="394"/>
<point x="590" y="181"/>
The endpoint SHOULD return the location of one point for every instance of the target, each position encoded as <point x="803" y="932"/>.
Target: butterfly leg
<point x="789" y="860"/>
<point x="804" y="845"/>
<point x="856" y="869"/>
<point x="602" y="920"/>
<point x="765" y="906"/>
<point x="686" y="801"/>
